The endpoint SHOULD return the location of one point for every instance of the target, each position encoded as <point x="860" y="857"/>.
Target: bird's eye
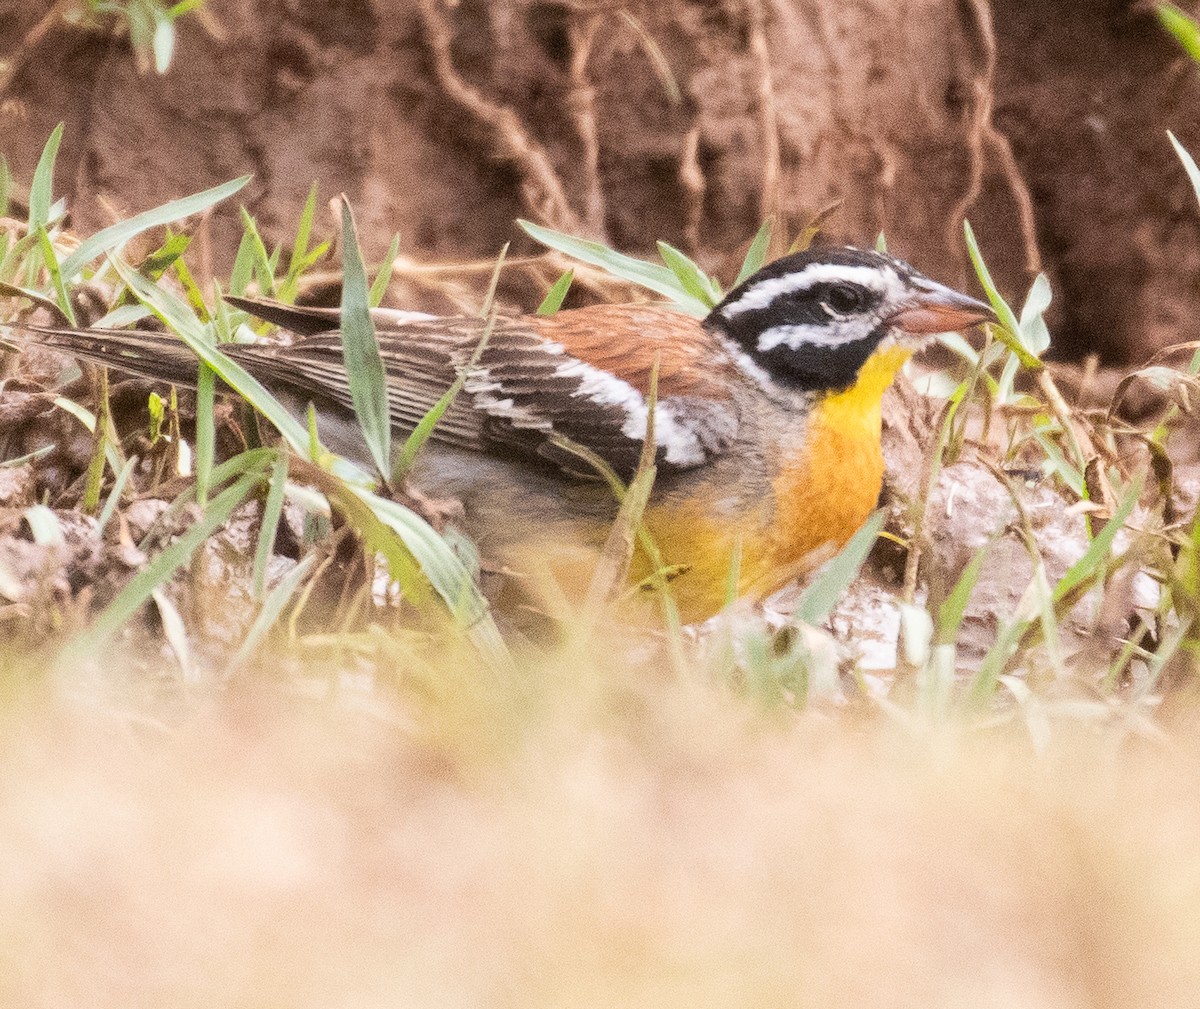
<point x="843" y="299"/>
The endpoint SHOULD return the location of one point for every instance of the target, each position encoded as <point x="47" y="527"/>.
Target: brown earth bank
<point x="681" y="120"/>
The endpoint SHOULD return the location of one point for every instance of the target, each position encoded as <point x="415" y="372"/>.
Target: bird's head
<point x="810" y="321"/>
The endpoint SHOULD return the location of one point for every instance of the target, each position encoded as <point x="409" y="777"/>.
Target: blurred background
<point x="444" y="120"/>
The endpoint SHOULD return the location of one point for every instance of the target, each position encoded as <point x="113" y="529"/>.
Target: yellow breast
<point x="825" y="489"/>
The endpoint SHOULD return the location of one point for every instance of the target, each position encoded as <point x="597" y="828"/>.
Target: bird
<point x="766" y="421"/>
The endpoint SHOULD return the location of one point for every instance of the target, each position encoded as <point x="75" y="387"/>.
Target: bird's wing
<point x="585" y="376"/>
<point x="539" y="385"/>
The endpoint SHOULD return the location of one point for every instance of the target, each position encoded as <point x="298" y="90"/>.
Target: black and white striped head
<point x="808" y="322"/>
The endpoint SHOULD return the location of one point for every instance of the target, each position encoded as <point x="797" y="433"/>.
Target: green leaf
<point x="556" y="295"/>
<point x="50" y="258"/>
<point x="41" y="189"/>
<point x="88" y="420"/>
<point x="178" y="10"/>
<point x="243" y="266"/>
<point x="360" y="350"/>
<point x="297" y="261"/>
<point x="5" y="185"/>
<point x="384" y="276"/>
<point x="819" y="598"/>
<point x="424" y="428"/>
<point x="1034" y="333"/>
<point x="165" y="256"/>
<point x="649" y="275"/>
<point x="206" y="431"/>
<point x="114" y="496"/>
<point x="806" y="237"/>
<point x="1009" y="330"/>
<point x="1069" y="474"/>
<point x="954" y="606"/>
<point x="158" y="411"/>
<point x="192" y="290"/>
<point x="269" y="527"/>
<point x="1185" y="30"/>
<point x="263" y="269"/>
<point x="694" y="280"/>
<point x="756" y="255"/>
<point x="1098" y="549"/>
<point x="109" y="238"/>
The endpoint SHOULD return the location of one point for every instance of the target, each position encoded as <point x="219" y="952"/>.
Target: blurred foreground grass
<point x="610" y="840"/>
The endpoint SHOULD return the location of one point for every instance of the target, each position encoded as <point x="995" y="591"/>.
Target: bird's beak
<point x="939" y="309"/>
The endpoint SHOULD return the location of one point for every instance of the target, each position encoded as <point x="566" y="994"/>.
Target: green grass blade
<point x="41" y="189"/>
<point x="298" y="259"/>
<point x="5" y="185"/>
<point x="360" y="350"/>
<point x="1068" y="473"/>
<point x="178" y="317"/>
<point x="206" y="430"/>
<point x="264" y="272"/>
<point x="756" y="255"/>
<point x="46" y="302"/>
<point x="384" y="276"/>
<point x="557" y="294"/>
<point x="165" y="256"/>
<point x="983" y="685"/>
<point x="694" y="280"/>
<point x="114" y="496"/>
<point x="253" y="460"/>
<point x="243" y="266"/>
<point x="117" y="234"/>
<point x="272" y="607"/>
<point x="489" y="298"/>
<point x="649" y="275"/>
<point x="1009" y="331"/>
<point x="1182" y="28"/>
<point x="88" y="420"/>
<point x="822" y="594"/>
<point x="445" y="571"/>
<point x="269" y="527"/>
<point x="191" y="290"/>
<point x="954" y="606"/>
<point x="1097" y="551"/>
<point x="50" y="258"/>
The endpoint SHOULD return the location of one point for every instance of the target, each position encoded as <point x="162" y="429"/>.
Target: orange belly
<point x="826" y="488"/>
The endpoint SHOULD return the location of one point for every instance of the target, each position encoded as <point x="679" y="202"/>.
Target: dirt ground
<point x="681" y="120"/>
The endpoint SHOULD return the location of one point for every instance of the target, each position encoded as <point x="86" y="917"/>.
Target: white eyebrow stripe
<point x="881" y="278"/>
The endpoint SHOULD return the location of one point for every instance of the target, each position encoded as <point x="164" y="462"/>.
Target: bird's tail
<point x="150" y="354"/>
